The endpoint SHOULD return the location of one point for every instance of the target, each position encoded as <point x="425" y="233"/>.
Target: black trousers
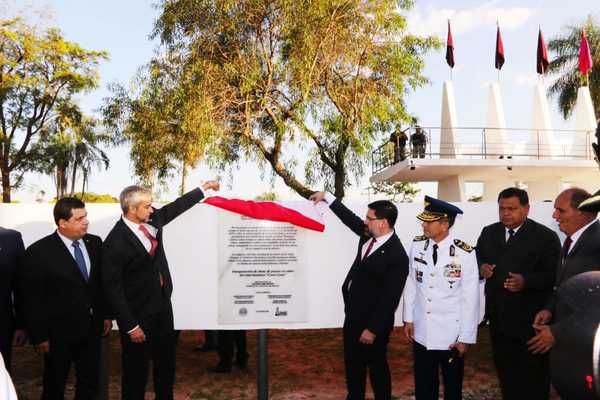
<point x="522" y="375"/>
<point x="226" y="342"/>
<point x="6" y="336"/>
<point x="360" y="358"/>
<point x="160" y="348"/>
<point x="84" y="354"/>
<point x="427" y="365"/>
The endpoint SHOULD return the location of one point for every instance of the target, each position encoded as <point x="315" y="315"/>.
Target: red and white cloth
<point x="304" y="214"/>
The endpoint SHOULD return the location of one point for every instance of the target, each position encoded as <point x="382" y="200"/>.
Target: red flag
<point x="585" y="57"/>
<point x="499" y="50"/>
<point x="303" y="216"/>
<point x="542" y="55"/>
<point x="450" y="48"/>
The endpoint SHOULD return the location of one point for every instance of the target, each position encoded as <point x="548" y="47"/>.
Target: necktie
<point x="152" y="239"/>
<point x="435" y="247"/>
<point x="567" y="246"/>
<point x="369" y="247"/>
<point x="80" y="260"/>
<point x="153" y="246"/>
<point x="511" y="234"/>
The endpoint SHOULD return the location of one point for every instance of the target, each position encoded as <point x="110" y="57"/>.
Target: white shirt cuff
<point x="137" y="326"/>
<point x="329" y="198"/>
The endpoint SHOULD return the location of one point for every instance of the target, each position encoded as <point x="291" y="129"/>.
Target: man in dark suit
<point x="580" y="253"/>
<point x="63" y="305"/>
<point x="11" y="256"/>
<point x="371" y="292"/>
<point x="138" y="286"/>
<point x="518" y="257"/>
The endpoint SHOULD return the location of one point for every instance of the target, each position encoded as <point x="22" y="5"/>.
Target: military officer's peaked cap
<point x="592" y="204"/>
<point x="436" y="209"/>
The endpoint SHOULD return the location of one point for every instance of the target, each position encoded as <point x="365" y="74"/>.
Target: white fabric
<point x="7" y="389"/>
<point x="69" y="244"/>
<point x="442" y="300"/>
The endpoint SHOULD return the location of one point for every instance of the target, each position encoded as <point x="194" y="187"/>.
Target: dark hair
<point x="514" y="192"/>
<point x="63" y="209"/>
<point x="385" y="209"/>
<point x="451" y="221"/>
<point x="578" y="195"/>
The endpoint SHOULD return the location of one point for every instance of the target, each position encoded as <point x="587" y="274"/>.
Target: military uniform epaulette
<point x="419" y="238"/>
<point x="463" y="245"/>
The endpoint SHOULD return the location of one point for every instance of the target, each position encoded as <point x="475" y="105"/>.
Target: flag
<point x="303" y="213"/>
<point x="450" y="48"/>
<point x="499" y="50"/>
<point x="542" y="55"/>
<point x="585" y="58"/>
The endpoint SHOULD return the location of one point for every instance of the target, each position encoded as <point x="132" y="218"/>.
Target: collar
<point x="445" y="242"/>
<point x="579" y="232"/>
<point x="384" y="238"/>
<point x="68" y="242"/>
<point x="515" y="230"/>
<point x="132" y="225"/>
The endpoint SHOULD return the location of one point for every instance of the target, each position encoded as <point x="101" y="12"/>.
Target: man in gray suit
<point x="580" y="253"/>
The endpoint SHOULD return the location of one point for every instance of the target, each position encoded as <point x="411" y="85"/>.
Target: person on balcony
<point x="418" y="141"/>
<point x="399" y="139"/>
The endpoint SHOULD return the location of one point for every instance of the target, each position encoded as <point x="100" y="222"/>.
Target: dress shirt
<point x="575" y="236"/>
<point x="135" y="228"/>
<point x="507" y="235"/>
<point x="69" y="244"/>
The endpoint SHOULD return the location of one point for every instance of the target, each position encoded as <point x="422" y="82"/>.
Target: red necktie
<point x="369" y="247"/>
<point x="153" y="246"/>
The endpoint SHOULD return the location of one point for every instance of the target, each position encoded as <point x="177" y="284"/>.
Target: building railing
<point x="485" y="143"/>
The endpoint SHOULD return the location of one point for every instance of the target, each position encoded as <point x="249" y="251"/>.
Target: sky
<point x="123" y="27"/>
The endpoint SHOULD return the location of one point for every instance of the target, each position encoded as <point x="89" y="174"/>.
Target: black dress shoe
<point x="219" y="369"/>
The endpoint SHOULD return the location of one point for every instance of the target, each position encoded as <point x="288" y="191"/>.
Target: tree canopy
<point x="39" y="73"/>
<point x="267" y="80"/>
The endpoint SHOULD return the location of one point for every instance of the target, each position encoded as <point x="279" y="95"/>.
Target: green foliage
<point x="267" y="196"/>
<point x="258" y="80"/>
<point x="38" y="72"/>
<point x="90" y="197"/>
<point x="566" y="65"/>
<point x="403" y="192"/>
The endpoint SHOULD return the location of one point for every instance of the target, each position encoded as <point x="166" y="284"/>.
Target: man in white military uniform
<point x="441" y="302"/>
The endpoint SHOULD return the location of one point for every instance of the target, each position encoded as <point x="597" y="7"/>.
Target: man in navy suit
<point x="371" y="292"/>
<point x="11" y="256"/>
<point x="63" y="305"/>
<point x="138" y="286"/>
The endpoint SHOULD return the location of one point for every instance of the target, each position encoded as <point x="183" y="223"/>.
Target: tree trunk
<point x="184" y="173"/>
<point x="73" y="178"/>
<point x="5" y="186"/>
<point x="290" y="180"/>
<point x="338" y="182"/>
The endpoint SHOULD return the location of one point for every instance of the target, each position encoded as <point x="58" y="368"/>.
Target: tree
<point x="267" y="196"/>
<point x="68" y="147"/>
<point x="271" y="77"/>
<point x="404" y="190"/>
<point x="565" y="66"/>
<point x="158" y="120"/>
<point x="37" y="73"/>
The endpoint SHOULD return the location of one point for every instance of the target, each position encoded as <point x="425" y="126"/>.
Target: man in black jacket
<point x="371" y="292"/>
<point x="580" y="253"/>
<point x="518" y="258"/>
<point x="11" y="256"/>
<point x="63" y="305"/>
<point x="138" y="286"/>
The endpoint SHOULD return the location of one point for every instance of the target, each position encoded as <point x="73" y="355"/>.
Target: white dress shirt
<point x="575" y="236"/>
<point x="135" y="228"/>
<point x="507" y="235"/>
<point x="69" y="245"/>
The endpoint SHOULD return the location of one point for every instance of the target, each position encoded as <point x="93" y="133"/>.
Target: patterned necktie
<point x="152" y="239"/>
<point x="435" y="247"/>
<point x="369" y="247"/>
<point x="80" y="260"/>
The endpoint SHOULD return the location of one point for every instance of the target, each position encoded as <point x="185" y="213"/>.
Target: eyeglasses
<point x="372" y="218"/>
